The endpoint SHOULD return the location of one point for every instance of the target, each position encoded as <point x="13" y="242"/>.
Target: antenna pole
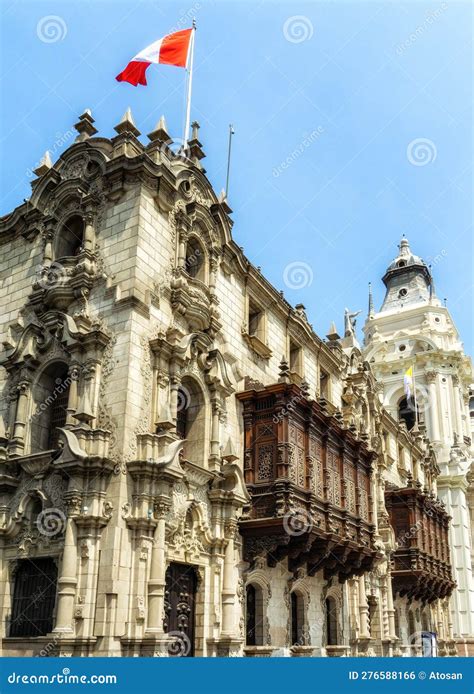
<point x="231" y="132"/>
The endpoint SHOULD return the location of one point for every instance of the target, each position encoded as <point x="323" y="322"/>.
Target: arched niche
<point x="50" y="394"/>
<point x="192" y="421"/>
<point x="70" y="237"/>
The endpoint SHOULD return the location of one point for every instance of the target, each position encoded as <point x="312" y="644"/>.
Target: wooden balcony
<point x="421" y="564"/>
<point x="309" y="479"/>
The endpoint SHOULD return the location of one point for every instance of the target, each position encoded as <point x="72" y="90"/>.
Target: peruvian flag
<point x="170" y="50"/>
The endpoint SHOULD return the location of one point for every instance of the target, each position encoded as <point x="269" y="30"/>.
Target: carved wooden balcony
<point x="309" y="479"/>
<point x="421" y="563"/>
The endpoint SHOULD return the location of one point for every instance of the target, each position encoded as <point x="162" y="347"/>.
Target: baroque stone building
<point x="186" y="468"/>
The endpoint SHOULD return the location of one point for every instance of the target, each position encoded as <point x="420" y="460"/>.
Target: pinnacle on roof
<point x="44" y="166"/>
<point x="85" y="126"/>
<point x="160" y="132"/>
<point x="127" y="124"/>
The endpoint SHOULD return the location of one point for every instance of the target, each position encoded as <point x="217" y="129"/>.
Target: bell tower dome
<point x="408" y="280"/>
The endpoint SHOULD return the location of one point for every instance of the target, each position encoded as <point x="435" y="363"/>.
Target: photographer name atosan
<point x="403" y="675"/>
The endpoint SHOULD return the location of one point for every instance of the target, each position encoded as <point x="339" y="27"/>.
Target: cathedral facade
<point x="186" y="467"/>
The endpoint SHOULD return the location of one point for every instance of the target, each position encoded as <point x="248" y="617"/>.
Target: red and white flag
<point x="170" y="50"/>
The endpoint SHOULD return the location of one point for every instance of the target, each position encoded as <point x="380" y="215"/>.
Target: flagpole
<point x="190" y="86"/>
<point x="414" y="395"/>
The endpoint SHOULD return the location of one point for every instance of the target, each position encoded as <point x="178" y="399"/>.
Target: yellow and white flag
<point x="408" y="382"/>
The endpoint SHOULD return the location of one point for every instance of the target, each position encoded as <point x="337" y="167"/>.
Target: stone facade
<point x="186" y="467"/>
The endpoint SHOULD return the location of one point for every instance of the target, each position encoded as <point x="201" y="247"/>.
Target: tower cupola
<point x="407" y="279"/>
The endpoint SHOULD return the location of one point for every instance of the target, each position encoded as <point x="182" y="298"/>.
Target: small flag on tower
<point x="408" y="382"/>
<point x="170" y="50"/>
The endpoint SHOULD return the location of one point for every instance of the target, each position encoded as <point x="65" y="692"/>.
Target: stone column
<point x="89" y="231"/>
<point x="390" y="608"/>
<point x="433" y="406"/>
<point x="73" y="374"/>
<point x="214" y="457"/>
<point x="67" y="580"/>
<point x="157" y="580"/>
<point x="228" y="582"/>
<point x="19" y="426"/>
<point x="457" y="407"/>
<point x="183" y="239"/>
<point x="363" y="610"/>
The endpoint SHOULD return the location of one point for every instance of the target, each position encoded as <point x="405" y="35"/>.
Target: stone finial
<point x="85" y="126"/>
<point x="160" y="132"/>
<point x="284" y="371"/>
<point x="228" y="453"/>
<point x="333" y="335"/>
<point x="45" y="165"/>
<point x="194" y="147"/>
<point x="305" y="388"/>
<point x="222" y="199"/>
<point x="127" y="124"/>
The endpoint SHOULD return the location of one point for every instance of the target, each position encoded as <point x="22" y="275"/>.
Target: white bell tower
<point x="413" y="329"/>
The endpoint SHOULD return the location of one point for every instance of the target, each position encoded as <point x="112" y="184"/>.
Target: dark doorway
<point x="180" y="598"/>
<point x="34" y="596"/>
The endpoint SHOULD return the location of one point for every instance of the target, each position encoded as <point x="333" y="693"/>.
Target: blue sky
<point x="352" y="126"/>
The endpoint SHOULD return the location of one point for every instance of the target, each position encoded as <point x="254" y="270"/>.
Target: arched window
<point x="406" y="412"/>
<point x="191" y="421"/>
<point x="50" y="396"/>
<point x="70" y="237"/>
<point x="194" y="263"/>
<point x="331" y="621"/>
<point x="297" y="618"/>
<point x="34" y="594"/>
<point x="471" y="407"/>
<point x="254" y="617"/>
